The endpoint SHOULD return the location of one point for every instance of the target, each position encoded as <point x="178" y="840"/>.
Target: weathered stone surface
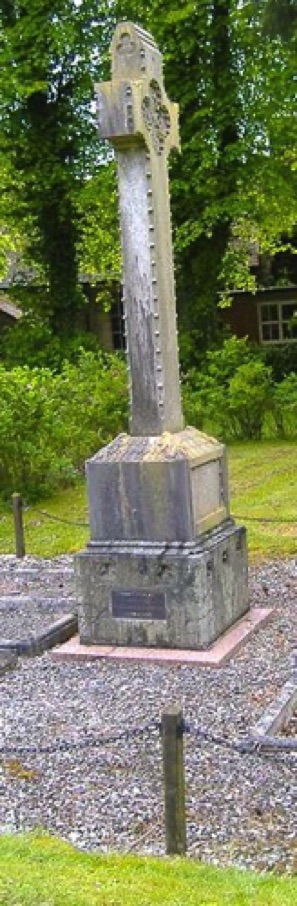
<point x="168" y="488"/>
<point x="278" y="714"/>
<point x="8" y="660"/>
<point x="142" y="124"/>
<point x="204" y="585"/>
<point x="165" y="565"/>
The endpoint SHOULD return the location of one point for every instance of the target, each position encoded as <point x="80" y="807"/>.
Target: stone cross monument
<point x="142" y="124"/>
<point x="165" y="565"/>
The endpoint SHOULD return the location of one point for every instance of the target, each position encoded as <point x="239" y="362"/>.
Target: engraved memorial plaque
<point x="134" y="604"/>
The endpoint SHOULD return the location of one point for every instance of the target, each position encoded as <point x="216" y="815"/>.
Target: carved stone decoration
<point x="125" y="45"/>
<point x="165" y="566"/>
<point x="142" y="124"/>
<point x="156" y="116"/>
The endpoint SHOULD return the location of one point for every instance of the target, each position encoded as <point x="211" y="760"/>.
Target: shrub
<point x="31" y="342"/>
<point x="285" y="406"/>
<point x="193" y="396"/>
<point x="92" y="403"/>
<point x="234" y="394"/>
<point x="223" y="363"/>
<point x="30" y="458"/>
<point x="51" y="423"/>
<point x="206" y="393"/>
<point x="281" y="358"/>
<point x="250" y="397"/>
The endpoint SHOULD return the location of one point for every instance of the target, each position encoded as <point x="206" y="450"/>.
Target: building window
<point x="278" y="322"/>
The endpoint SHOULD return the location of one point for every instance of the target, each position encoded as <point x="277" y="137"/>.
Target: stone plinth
<point x="175" y="595"/>
<point x="168" y="488"/>
<point x="165" y="565"/>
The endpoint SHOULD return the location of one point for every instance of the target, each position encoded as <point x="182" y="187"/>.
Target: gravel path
<point x="241" y="809"/>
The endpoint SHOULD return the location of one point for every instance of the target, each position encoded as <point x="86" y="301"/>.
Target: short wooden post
<point x="174" y="780"/>
<point x="17" y="506"/>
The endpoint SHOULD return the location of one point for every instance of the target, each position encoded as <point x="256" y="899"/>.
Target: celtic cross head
<point x="133" y="108"/>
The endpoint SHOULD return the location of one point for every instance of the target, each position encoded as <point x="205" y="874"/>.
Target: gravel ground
<point x="33" y="594"/>
<point x="241" y="809"/>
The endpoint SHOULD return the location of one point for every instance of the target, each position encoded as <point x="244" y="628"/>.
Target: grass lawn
<point x="263" y="483"/>
<point x="41" y="871"/>
<point x="45" y="537"/>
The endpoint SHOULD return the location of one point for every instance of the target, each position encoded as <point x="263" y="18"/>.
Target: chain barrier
<point x="261" y="519"/>
<point x="52" y="517"/>
<point x="82" y="524"/>
<point x="247" y="746"/>
<point x="88" y="742"/>
<point x="61" y="519"/>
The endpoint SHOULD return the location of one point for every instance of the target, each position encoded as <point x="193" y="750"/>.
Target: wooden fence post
<point x="17" y="506"/>
<point x="174" y="780"/>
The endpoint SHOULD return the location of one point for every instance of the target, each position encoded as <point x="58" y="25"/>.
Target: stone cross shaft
<point x="142" y="124"/>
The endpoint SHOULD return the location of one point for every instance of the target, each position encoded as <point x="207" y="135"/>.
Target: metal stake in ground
<point x="174" y="780"/>
<point x="142" y="124"/>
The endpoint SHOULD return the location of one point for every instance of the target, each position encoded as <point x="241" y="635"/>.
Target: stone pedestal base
<point x="174" y="595"/>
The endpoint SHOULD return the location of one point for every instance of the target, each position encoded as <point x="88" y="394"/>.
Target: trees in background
<point x="231" y="72"/>
<point x="229" y="65"/>
<point x="50" y="55"/>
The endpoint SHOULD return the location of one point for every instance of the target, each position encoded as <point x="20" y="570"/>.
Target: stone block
<point x="175" y="595"/>
<point x="168" y="488"/>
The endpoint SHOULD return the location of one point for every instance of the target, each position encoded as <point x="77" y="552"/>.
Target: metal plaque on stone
<point x="135" y="604"/>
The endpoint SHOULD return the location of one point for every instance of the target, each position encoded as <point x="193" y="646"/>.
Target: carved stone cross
<point x="135" y="114"/>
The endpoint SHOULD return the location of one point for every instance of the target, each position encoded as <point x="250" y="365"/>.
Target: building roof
<point x="9" y="308"/>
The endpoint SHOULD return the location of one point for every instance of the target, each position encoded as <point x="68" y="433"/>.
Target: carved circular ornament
<point x="126" y="45"/>
<point x="156" y="116"/>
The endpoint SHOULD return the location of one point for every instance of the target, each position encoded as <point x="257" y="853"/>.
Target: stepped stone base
<point x="172" y="595"/>
<point x="165" y="488"/>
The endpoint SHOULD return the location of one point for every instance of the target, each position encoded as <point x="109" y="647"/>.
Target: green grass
<point x="263" y="483"/>
<point x="46" y="537"/>
<point x="41" y="871"/>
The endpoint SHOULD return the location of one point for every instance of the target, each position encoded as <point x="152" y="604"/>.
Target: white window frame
<point x="279" y="321"/>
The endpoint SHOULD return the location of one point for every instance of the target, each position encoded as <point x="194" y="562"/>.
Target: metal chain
<point x="78" y="524"/>
<point x="91" y="742"/>
<point x="278" y="521"/>
<point x="61" y="519"/>
<point x="245" y="747"/>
